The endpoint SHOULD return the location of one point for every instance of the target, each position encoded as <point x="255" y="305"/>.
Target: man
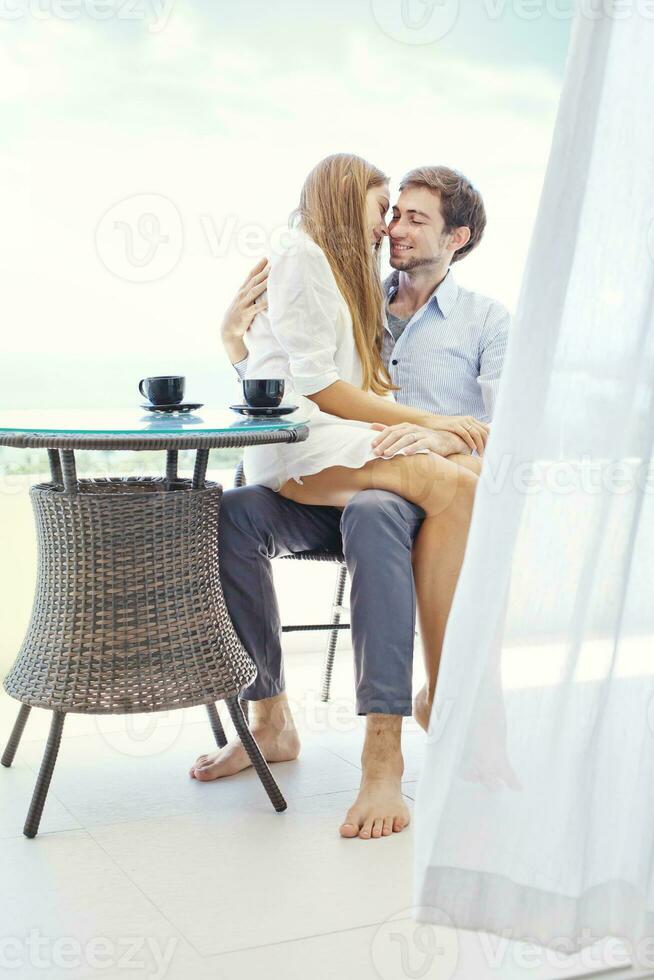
<point x="444" y="348"/>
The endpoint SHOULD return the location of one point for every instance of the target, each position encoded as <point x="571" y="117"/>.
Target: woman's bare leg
<point x="426" y="479"/>
<point x="441" y="488"/>
<point x="437" y="558"/>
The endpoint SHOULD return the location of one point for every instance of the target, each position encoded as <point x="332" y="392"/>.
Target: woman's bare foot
<point x="422" y="707"/>
<point x="274" y="732"/>
<point x="379" y="809"/>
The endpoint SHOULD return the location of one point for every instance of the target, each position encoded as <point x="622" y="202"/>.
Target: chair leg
<point x="254" y="754"/>
<point x="216" y="726"/>
<point x="31" y="827"/>
<point x="245" y="708"/>
<point x="341" y="579"/>
<point x="15" y="737"/>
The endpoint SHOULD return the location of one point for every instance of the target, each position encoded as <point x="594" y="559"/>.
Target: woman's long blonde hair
<point x="332" y="212"/>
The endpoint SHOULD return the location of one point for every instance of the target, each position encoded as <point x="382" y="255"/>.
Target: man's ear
<point x="459" y="237"/>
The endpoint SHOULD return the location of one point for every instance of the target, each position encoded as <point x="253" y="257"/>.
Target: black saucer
<point x="182" y="408"/>
<point x="265" y="412"/>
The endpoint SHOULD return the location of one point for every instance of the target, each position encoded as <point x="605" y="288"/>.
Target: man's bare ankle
<point x="272" y="714"/>
<point x="374" y="774"/>
<point x="382" y="750"/>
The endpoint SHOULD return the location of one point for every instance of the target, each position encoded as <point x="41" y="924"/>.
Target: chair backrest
<point x="239" y="476"/>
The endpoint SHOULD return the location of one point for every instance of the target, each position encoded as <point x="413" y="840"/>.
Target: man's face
<point x="417" y="231"/>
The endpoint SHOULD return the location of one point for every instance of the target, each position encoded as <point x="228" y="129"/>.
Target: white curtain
<point x="535" y="809"/>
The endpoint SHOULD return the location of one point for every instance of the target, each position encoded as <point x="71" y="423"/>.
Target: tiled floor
<point x="139" y="871"/>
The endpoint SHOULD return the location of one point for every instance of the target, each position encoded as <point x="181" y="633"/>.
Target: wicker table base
<point x="129" y="614"/>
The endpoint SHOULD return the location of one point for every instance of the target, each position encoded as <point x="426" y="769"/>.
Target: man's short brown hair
<point x="461" y="203"/>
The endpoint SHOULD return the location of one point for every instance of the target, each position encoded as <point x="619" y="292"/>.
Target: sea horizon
<point x="67" y="381"/>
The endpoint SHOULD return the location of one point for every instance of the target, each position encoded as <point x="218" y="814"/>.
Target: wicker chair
<point x="337" y="606"/>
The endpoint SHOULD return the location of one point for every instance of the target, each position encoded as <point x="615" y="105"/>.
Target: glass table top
<point x="138" y="421"/>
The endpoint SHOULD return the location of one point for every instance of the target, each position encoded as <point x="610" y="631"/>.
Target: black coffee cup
<point x="163" y="390"/>
<point x="263" y="392"/>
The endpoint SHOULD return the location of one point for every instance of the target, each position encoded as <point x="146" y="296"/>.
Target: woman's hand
<point x="473" y="432"/>
<point x="244" y="307"/>
<point x="412" y="438"/>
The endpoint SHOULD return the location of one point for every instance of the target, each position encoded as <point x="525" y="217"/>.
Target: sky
<point x="151" y="151"/>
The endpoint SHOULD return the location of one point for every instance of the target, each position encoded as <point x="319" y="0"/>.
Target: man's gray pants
<point x="376" y="532"/>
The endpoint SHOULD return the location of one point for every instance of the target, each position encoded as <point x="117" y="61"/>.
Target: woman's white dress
<point x="306" y="337"/>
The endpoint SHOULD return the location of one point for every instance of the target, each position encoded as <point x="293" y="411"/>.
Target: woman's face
<point x="377" y="205"/>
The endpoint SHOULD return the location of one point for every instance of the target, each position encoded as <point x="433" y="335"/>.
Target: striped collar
<point x="445" y="294"/>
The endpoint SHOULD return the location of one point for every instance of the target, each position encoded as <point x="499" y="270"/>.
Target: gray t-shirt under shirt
<point x="396" y="325"/>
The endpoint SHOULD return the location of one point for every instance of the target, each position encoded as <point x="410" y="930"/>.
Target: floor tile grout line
<point x="349" y="761"/>
<point x="237" y="806"/>
<point x="177" y="931"/>
<point x="84" y="826"/>
<point x="252" y="807"/>
<point x="184" y="813"/>
<point x="296" y="939"/>
<point x="51" y="795"/>
<point x="239" y="949"/>
<point x="88" y="832"/>
<point x="48" y="833"/>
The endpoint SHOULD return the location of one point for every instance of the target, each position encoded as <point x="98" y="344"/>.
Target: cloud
<point x="228" y="124"/>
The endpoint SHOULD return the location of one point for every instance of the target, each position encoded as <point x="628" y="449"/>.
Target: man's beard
<point x="409" y="264"/>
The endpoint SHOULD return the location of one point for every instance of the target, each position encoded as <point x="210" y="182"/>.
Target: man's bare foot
<point x="422" y="707"/>
<point x="274" y="732"/>
<point x="379" y="809"/>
